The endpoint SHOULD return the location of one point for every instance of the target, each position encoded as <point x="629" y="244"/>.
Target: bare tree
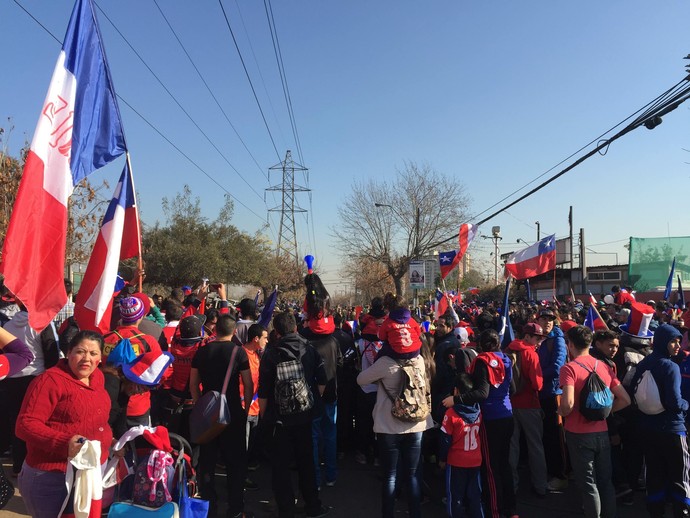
<point x="394" y="222"/>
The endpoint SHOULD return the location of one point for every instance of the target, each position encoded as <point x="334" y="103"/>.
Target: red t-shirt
<point x="403" y="338"/>
<point x="465" y="450"/>
<point x="575" y="375"/>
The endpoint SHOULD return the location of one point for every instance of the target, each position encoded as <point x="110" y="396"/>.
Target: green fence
<point x="651" y="258"/>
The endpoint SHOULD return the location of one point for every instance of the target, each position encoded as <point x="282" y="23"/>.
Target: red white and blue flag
<point x="119" y="238"/>
<point x="534" y="260"/>
<point x="449" y="260"/>
<point x="593" y="319"/>
<point x="440" y="303"/>
<point x="79" y="130"/>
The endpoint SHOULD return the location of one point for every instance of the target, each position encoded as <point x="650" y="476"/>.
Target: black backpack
<point x="596" y="399"/>
<point x="292" y="392"/>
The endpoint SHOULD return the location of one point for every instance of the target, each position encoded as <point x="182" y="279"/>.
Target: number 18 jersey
<point x="465" y="451"/>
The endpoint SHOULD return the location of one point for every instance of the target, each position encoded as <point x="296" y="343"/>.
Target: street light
<point x="538" y="230"/>
<point x="495" y="236"/>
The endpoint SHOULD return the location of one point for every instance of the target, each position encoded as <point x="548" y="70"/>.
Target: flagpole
<point x="140" y="260"/>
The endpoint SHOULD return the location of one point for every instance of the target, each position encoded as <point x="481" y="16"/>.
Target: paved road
<point x="356" y="495"/>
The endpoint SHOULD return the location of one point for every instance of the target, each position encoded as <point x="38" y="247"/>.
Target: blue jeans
<point x="43" y="491"/>
<point x="590" y="456"/>
<point x="324" y="432"/>
<point x="406" y="447"/>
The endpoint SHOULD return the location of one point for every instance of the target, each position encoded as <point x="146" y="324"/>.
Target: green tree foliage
<point x="189" y="246"/>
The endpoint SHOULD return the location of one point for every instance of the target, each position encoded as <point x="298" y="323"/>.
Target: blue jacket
<point x="497" y="404"/>
<point x="666" y="373"/>
<point x="552" y="355"/>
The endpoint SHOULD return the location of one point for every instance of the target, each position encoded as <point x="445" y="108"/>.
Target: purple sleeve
<point x="18" y="355"/>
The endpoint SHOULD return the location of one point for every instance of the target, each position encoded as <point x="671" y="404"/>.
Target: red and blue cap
<point x="148" y="368"/>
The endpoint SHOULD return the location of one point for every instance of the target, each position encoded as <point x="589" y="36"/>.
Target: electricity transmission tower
<point x="287" y="237"/>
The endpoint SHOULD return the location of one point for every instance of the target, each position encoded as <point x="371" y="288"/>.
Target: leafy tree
<point x="189" y="246"/>
<point x="394" y="222"/>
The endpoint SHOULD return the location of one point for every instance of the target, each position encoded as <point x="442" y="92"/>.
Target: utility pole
<point x="496" y="237"/>
<point x="583" y="261"/>
<point x="287" y="236"/>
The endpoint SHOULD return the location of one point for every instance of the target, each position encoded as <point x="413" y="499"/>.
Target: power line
<point x="175" y="100"/>
<point x="650" y="118"/>
<point x="203" y="80"/>
<point x="258" y="69"/>
<point x="268" y="7"/>
<point x="283" y="76"/>
<point x="150" y="124"/>
<point x="596" y="139"/>
<point x="201" y="169"/>
<point x="256" y="98"/>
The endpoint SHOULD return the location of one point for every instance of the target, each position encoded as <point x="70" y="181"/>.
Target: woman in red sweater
<point x="63" y="407"/>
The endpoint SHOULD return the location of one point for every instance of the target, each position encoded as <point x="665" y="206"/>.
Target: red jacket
<point x="530" y="372"/>
<point x="57" y="407"/>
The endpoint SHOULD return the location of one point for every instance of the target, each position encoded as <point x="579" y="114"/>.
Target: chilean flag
<point x="440" y="304"/>
<point x="534" y="260"/>
<point x="465" y="237"/>
<point x="118" y="239"/>
<point x="79" y="130"/>
<point x="447" y="261"/>
<point x="594" y="320"/>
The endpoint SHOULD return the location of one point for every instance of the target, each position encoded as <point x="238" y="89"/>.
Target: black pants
<point x="553" y="439"/>
<point x="668" y="461"/>
<point x="364" y="425"/>
<point x="347" y="394"/>
<point x="230" y="446"/>
<point x="498" y="477"/>
<point x="16" y="390"/>
<point x="288" y="444"/>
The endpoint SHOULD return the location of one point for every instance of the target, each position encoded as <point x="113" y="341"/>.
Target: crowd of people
<point x="397" y="387"/>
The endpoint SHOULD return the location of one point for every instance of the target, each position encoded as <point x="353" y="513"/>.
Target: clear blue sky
<point x="490" y="93"/>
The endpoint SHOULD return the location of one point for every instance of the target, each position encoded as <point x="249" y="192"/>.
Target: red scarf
<point x="494" y="366"/>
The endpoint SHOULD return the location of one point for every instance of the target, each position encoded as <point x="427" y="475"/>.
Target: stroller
<point x="155" y="477"/>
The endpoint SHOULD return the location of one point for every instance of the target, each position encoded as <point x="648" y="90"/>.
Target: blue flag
<point x="680" y="302"/>
<point x="591" y="318"/>
<point x="506" y="332"/>
<point x="669" y="282"/>
<point x="269" y="306"/>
